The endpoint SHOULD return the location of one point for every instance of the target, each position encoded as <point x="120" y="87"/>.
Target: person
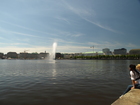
<point x="138" y="67"/>
<point x="134" y="76"/>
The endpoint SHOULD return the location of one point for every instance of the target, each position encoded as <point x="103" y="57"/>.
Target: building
<point x="77" y="54"/>
<point x="32" y="56"/>
<point x="58" y="55"/>
<point x="23" y="55"/>
<point x="91" y="53"/>
<point x="43" y="55"/>
<point x="67" y="55"/>
<point x="100" y="53"/>
<point x="121" y="51"/>
<point x="134" y="52"/>
<point x="106" y="51"/>
<point x="1" y="55"/>
<point x="12" y="55"/>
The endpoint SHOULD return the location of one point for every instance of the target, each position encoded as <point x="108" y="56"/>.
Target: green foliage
<point x="109" y="57"/>
<point x="34" y="53"/>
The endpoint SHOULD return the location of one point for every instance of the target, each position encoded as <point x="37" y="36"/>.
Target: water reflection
<point x="65" y="82"/>
<point x="54" y="73"/>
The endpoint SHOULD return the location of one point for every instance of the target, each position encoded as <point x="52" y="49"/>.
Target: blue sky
<point x="75" y="25"/>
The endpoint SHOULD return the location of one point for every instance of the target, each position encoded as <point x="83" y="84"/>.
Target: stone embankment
<point x="130" y="98"/>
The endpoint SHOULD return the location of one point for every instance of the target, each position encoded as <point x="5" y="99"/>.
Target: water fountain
<point x="52" y="54"/>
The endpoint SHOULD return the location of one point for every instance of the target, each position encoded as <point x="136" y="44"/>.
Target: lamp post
<point x="93" y="49"/>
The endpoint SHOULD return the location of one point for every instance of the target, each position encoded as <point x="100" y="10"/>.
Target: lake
<point x="63" y="82"/>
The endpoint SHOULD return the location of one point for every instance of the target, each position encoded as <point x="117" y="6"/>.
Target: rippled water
<point x="62" y="82"/>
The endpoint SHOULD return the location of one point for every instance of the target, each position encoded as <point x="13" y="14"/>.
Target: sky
<point x="75" y="25"/>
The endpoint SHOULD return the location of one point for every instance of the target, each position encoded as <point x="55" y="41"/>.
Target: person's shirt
<point x="134" y="75"/>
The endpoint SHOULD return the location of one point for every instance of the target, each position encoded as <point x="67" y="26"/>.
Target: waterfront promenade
<point x="130" y="98"/>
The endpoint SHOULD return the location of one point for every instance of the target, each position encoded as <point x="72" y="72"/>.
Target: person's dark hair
<point x="132" y="67"/>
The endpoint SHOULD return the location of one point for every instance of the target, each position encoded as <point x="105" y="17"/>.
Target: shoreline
<point x="130" y="98"/>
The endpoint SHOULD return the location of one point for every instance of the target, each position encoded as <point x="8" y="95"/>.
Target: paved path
<point x="130" y="98"/>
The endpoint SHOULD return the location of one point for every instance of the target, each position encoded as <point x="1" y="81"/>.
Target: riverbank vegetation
<point x="123" y="57"/>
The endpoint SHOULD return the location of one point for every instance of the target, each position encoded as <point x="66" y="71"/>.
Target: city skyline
<point x="93" y="51"/>
<point x="34" y="25"/>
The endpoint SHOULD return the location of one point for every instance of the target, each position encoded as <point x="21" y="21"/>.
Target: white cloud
<point x="77" y="35"/>
<point x="13" y="32"/>
<point x="101" y="26"/>
<point x="79" y="10"/>
<point x="24" y="34"/>
<point x="66" y="42"/>
<point x="63" y="19"/>
<point x="89" y="16"/>
<point x="3" y="30"/>
<point x="63" y="48"/>
<point x="74" y="49"/>
<point x="21" y="49"/>
<point x="2" y="38"/>
<point x="111" y="45"/>
<point x="66" y="48"/>
<point x="92" y="43"/>
<point x="17" y="44"/>
<point x="69" y="34"/>
<point x="130" y="45"/>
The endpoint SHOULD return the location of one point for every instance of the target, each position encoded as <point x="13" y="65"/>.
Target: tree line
<point x="125" y="57"/>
